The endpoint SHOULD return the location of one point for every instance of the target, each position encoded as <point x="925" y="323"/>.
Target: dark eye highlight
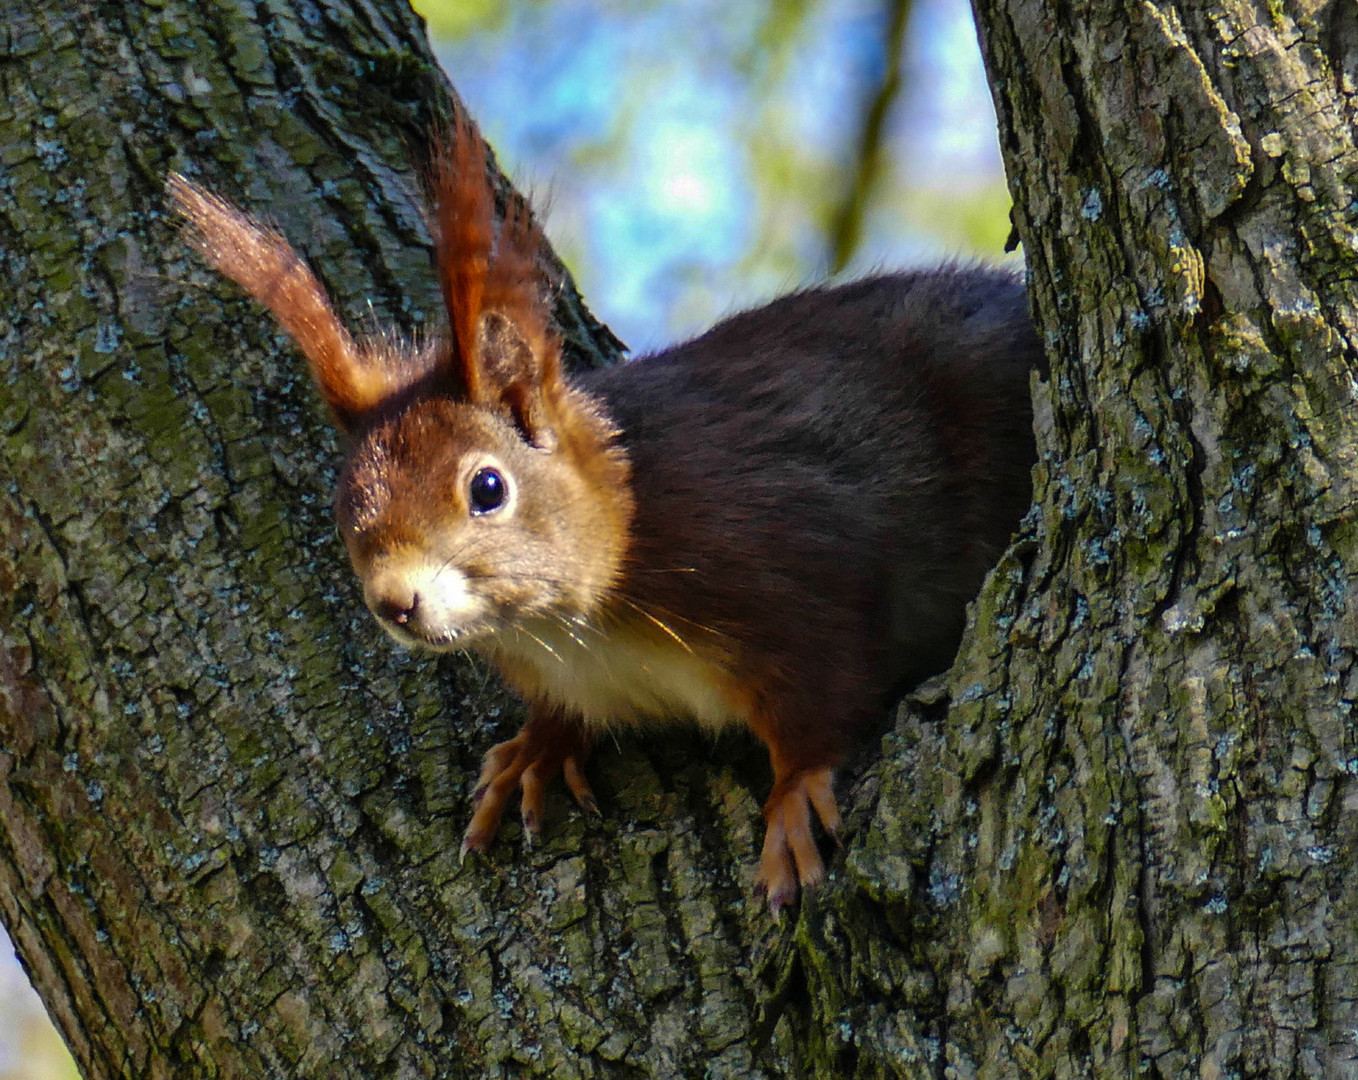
<point x="487" y="492"/>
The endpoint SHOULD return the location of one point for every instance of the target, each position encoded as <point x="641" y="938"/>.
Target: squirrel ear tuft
<point x="503" y="352"/>
<point x="353" y="378"/>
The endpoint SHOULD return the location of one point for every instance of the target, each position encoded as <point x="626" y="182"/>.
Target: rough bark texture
<point x="1154" y="740"/>
<point x="230" y="812"/>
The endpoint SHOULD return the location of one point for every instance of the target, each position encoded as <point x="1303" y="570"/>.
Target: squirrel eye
<point x="488" y="491"/>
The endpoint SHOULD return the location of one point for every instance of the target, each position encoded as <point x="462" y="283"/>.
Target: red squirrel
<point x="776" y="524"/>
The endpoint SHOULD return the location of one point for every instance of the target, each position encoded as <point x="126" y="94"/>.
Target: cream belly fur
<point x="620" y="673"/>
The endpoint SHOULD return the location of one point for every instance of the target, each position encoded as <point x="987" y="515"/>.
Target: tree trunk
<point x="230" y="813"/>
<point x="1152" y="755"/>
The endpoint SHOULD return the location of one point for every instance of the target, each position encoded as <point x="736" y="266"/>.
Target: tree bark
<point x="1153" y="746"/>
<point x="230" y="812"/>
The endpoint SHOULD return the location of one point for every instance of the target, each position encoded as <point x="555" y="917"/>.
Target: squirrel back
<point x="863" y="446"/>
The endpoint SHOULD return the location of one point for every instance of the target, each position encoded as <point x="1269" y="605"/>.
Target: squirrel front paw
<point x="528" y="762"/>
<point x="790" y="857"/>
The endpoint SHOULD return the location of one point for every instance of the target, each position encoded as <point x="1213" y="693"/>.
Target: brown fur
<point x="773" y="525"/>
<point x="823" y="483"/>
<point x="353" y="378"/>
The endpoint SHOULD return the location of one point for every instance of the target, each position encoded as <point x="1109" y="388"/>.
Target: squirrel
<point x="777" y="524"/>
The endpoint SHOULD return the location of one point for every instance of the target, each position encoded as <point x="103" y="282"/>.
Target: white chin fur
<point x="416" y="643"/>
<point x="444" y="608"/>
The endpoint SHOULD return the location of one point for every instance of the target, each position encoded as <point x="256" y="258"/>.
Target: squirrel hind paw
<point x="790" y="859"/>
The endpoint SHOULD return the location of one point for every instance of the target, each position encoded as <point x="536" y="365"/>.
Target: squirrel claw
<point x="469" y="846"/>
<point x="778" y="901"/>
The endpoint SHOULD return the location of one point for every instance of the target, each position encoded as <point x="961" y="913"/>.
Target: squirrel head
<point x="481" y="489"/>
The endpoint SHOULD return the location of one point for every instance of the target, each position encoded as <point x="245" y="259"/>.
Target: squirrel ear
<point x="502" y="351"/>
<point x="353" y="378"/>
<point x="518" y="370"/>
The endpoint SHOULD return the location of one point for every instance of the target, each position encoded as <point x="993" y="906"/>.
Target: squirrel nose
<point x="396" y="609"/>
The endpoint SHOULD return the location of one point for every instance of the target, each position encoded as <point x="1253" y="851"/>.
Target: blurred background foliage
<point x="30" y="1048"/>
<point x="705" y="156"/>
<point x="699" y="158"/>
